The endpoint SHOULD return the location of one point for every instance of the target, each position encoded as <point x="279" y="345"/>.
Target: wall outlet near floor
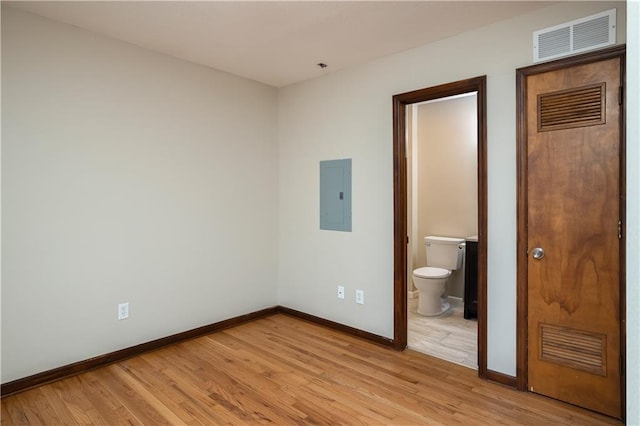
<point x="123" y="311"/>
<point x="340" y="292"/>
<point x="360" y="297"/>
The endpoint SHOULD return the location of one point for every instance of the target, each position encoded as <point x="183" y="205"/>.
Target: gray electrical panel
<point x="335" y="195"/>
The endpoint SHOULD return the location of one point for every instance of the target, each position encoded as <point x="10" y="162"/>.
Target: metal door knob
<point x="538" y="253"/>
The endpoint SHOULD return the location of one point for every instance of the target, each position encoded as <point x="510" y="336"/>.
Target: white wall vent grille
<point x="581" y="35"/>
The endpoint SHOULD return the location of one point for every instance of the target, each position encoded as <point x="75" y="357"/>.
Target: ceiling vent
<point x="581" y="35"/>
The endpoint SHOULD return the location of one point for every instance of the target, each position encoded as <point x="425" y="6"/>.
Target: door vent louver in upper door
<point x="581" y="35"/>
<point x="579" y="107"/>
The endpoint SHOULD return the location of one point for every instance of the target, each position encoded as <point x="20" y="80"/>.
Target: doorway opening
<point x="442" y="201"/>
<point x="402" y="239"/>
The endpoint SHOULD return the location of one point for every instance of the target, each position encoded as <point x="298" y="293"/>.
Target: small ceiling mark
<point x="322" y="65"/>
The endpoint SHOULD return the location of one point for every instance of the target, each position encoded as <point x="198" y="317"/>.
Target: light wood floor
<point x="283" y="370"/>
<point x="448" y="336"/>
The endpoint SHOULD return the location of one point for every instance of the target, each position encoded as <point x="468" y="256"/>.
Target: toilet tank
<point x="444" y="252"/>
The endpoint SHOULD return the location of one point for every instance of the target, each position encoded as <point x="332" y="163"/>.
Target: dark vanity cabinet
<point x="471" y="279"/>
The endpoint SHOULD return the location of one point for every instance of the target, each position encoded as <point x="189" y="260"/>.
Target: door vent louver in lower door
<point x="573" y="348"/>
<point x="581" y="35"/>
<point x="583" y="106"/>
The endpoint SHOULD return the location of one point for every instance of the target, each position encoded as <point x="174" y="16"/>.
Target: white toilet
<point x="443" y="255"/>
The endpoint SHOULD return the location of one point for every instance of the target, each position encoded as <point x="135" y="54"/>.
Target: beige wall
<point x="412" y="206"/>
<point x="447" y="184"/>
<point x="127" y="176"/>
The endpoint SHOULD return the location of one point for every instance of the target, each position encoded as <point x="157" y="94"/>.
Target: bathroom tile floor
<point x="448" y="336"/>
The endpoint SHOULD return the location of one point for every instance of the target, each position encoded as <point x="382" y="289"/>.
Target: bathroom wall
<point x="447" y="167"/>
<point x="127" y="176"/>
<point x="412" y="206"/>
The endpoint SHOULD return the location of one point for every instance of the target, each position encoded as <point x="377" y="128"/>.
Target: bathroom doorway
<point x="442" y="200"/>
<point x="408" y="253"/>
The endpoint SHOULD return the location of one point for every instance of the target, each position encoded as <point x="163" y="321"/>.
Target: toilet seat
<point x="431" y="272"/>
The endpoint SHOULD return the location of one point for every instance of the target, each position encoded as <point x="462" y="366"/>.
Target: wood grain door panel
<point x="573" y="194"/>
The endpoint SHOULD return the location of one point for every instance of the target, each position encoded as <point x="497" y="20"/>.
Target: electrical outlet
<point x="340" y="292"/>
<point x="360" y="297"/>
<point x="123" y="311"/>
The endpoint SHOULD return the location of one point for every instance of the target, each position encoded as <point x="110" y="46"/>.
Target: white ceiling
<point x="278" y="42"/>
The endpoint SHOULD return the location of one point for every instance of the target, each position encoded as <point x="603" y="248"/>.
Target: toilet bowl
<point x="430" y="282"/>
<point x="443" y="254"/>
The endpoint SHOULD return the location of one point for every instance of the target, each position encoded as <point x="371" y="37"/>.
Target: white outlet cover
<point x="123" y="311"/>
<point x="340" y="292"/>
<point x="360" y="297"/>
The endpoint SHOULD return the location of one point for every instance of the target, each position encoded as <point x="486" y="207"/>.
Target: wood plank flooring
<point x="283" y="370"/>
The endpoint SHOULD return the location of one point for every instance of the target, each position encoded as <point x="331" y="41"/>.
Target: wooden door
<point x="573" y="185"/>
